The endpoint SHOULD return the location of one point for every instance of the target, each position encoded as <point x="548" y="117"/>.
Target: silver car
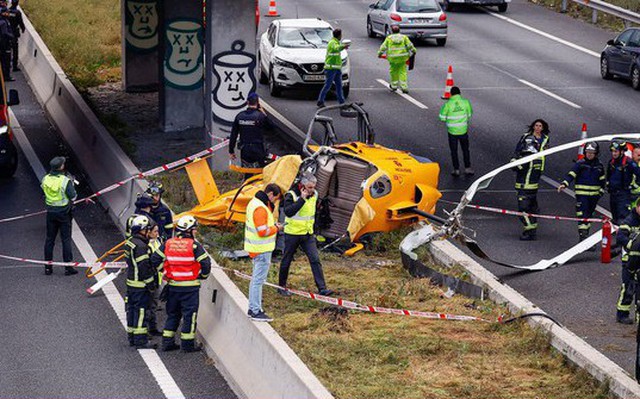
<point x="418" y="19"/>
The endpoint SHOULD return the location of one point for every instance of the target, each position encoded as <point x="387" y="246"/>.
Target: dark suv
<point x="620" y="57"/>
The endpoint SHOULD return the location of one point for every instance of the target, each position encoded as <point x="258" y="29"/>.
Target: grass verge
<point x="584" y="13"/>
<point x="361" y="355"/>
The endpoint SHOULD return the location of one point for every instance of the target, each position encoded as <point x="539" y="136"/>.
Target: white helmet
<point x="186" y="223"/>
<point x="140" y="223"/>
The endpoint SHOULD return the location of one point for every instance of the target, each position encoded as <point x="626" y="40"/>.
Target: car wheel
<point x="446" y="6"/>
<point x="604" y="69"/>
<point x="274" y="89"/>
<point x="345" y="91"/>
<point x="441" y="42"/>
<point x="370" y="31"/>
<point x="635" y="78"/>
<point x="502" y="8"/>
<point x="262" y="77"/>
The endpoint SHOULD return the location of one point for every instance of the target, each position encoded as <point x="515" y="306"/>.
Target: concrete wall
<point x="252" y="356"/>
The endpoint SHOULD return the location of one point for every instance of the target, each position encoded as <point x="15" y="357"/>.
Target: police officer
<point x="59" y="193"/>
<point x="620" y="171"/>
<point x="398" y="49"/>
<point x="456" y="113"/>
<point x="590" y="181"/>
<point x="629" y="227"/>
<point x="159" y="211"/>
<point x="185" y="264"/>
<point x="17" y="26"/>
<point x="249" y="127"/>
<point x="528" y="175"/>
<point x="300" y="205"/>
<point x="333" y="68"/>
<point x="140" y="282"/>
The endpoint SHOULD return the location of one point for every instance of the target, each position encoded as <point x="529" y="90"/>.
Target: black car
<point x="620" y="57"/>
<point x="8" y="152"/>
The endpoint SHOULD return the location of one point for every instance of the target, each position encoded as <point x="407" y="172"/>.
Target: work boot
<point x="191" y="346"/>
<point x="622" y="317"/>
<point x="455" y="173"/>
<point x="325" y="292"/>
<point x="320" y="105"/>
<point x="154" y="332"/>
<point x="169" y="345"/>
<point x="405" y="90"/>
<point x="48" y="270"/>
<point x="392" y="88"/>
<point x="146" y="345"/>
<point x="284" y="292"/>
<point x="70" y="271"/>
<point x="468" y="171"/>
<point x="130" y="336"/>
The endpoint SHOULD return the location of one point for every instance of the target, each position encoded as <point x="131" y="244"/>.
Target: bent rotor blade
<point x="559" y="260"/>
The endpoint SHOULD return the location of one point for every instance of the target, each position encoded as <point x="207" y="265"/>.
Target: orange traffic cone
<point x="273" y="12"/>
<point x="583" y="135"/>
<point x="448" y="84"/>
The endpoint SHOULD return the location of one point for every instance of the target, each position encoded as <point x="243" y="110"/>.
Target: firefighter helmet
<point x="592" y="146"/>
<point x="186" y="223"/>
<point x="140" y="223"/>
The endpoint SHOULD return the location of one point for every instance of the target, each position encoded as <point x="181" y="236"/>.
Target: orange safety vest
<point x="180" y="264"/>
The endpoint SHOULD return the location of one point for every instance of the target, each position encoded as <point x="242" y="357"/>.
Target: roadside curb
<point x="252" y="357"/>
<point x="569" y="344"/>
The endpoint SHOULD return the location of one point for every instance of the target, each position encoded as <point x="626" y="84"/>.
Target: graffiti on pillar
<point x="141" y="20"/>
<point x="235" y="79"/>
<point x="183" y="67"/>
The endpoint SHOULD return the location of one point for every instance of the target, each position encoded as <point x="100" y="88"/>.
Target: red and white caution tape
<point x="516" y="213"/>
<point x="141" y="175"/>
<point x="72" y="264"/>
<point x="365" y="308"/>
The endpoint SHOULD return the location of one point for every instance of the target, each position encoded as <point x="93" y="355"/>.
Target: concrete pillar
<point x="139" y="45"/>
<point x="182" y="68"/>
<point x="231" y="62"/>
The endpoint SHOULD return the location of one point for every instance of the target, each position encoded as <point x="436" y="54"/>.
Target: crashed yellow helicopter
<point x="367" y="187"/>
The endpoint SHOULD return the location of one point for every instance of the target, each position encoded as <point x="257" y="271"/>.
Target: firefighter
<point x="398" y="49"/>
<point x="260" y="232"/>
<point x="528" y="175"/>
<point x="185" y="264"/>
<point x="629" y="227"/>
<point x="140" y="282"/>
<point x="590" y="180"/>
<point x="143" y="208"/>
<point x="620" y="171"/>
<point x="59" y="192"/>
<point x="159" y="211"/>
<point x="300" y="205"/>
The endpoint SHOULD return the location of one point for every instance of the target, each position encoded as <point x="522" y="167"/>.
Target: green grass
<point x="83" y="35"/>
<point x="584" y="13"/>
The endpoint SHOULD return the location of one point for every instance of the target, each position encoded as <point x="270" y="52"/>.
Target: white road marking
<point x="154" y="363"/>
<point x="435" y="89"/>
<point x="405" y="96"/>
<point x="544" y="34"/>
<point x="550" y="94"/>
<point x="570" y="192"/>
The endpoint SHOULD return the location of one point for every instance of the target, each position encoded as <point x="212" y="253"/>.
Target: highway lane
<point x="58" y="341"/>
<point x="492" y="59"/>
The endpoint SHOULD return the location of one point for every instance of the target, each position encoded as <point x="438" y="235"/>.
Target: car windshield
<point x="304" y="37"/>
<point x="416" y="6"/>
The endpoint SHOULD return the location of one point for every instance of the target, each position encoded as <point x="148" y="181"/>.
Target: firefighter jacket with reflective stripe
<point x="185" y="259"/>
<point x="397" y="47"/>
<point x="620" y="174"/>
<point x="528" y="175"/>
<point x="180" y="263"/>
<point x="58" y="191"/>
<point x="253" y="242"/>
<point x="299" y="221"/>
<point x="139" y="270"/>
<point x="163" y="217"/>
<point x="635" y="185"/>
<point x="629" y="226"/>
<point x="333" y="60"/>
<point x="632" y="250"/>
<point x="589" y="176"/>
<point x="456" y="113"/>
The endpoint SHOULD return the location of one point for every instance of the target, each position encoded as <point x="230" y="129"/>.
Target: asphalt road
<point x="56" y="340"/>
<point x="492" y="58"/>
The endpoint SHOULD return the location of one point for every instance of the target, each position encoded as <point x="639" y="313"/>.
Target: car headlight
<point x="284" y="63"/>
<point x="380" y="187"/>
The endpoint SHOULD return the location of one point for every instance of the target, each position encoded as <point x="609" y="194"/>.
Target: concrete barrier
<point x="573" y="347"/>
<point x="254" y="359"/>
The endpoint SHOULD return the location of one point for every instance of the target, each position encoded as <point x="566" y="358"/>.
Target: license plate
<point x="314" y="78"/>
<point x="421" y="21"/>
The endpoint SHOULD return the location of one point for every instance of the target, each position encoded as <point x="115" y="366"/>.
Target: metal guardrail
<point x="598" y="5"/>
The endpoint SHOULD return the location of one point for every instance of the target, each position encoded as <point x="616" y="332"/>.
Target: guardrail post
<point x="594" y="16"/>
<point x="564" y="6"/>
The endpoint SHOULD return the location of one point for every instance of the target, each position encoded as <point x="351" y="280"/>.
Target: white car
<point x="292" y="53"/>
